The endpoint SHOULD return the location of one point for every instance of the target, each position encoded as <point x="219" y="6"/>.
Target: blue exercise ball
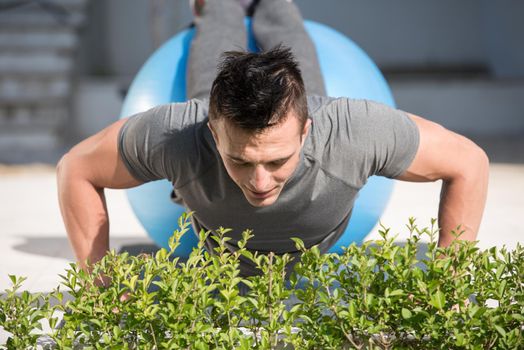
<point x="347" y="71"/>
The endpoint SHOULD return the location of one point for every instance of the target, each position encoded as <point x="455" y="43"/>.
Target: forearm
<point x="462" y="204"/>
<point x="84" y="213"/>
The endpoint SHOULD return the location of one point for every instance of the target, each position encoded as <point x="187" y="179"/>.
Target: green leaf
<point x="501" y="330"/>
<point x="52" y="322"/>
<point x="501" y="289"/>
<point x="518" y="317"/>
<point x="295" y="308"/>
<point x="438" y="300"/>
<point x="500" y="269"/>
<point x="460" y="341"/>
<point x="116" y="331"/>
<point x="132" y="282"/>
<point x="417" y="273"/>
<point x="96" y="322"/>
<point x="421" y="285"/>
<point x="396" y="292"/>
<point x="25" y="296"/>
<point x="226" y="294"/>
<point x="298" y="243"/>
<point x="406" y="314"/>
<point x="473" y="310"/>
<point x="200" y="345"/>
<point x="245" y="344"/>
<point x="323" y="297"/>
<point x="371" y="263"/>
<point x="352" y="308"/>
<point x="161" y="254"/>
<point x="370" y="297"/>
<point x="12" y="278"/>
<point x="306" y="317"/>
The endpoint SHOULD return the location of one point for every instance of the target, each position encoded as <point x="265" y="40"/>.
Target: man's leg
<point x="280" y="22"/>
<point x="219" y="27"/>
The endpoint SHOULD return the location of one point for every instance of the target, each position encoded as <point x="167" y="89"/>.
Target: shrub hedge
<point x="378" y="295"/>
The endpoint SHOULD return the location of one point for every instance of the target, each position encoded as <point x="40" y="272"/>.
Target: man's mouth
<point x="261" y="195"/>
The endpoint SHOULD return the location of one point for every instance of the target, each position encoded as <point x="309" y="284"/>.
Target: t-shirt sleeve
<point x="369" y="138"/>
<point x="387" y="137"/>
<point x="141" y="144"/>
<point x="160" y="143"/>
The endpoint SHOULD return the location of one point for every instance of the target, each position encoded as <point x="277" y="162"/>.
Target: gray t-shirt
<point x="349" y="141"/>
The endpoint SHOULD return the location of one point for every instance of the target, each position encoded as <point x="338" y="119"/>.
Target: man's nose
<point x="260" y="179"/>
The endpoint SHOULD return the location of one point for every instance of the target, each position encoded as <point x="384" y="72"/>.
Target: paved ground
<point x="33" y="242"/>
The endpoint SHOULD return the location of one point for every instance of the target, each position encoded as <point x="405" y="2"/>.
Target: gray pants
<point x="221" y="28"/>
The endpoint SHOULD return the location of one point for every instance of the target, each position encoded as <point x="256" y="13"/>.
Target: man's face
<point x="260" y="164"/>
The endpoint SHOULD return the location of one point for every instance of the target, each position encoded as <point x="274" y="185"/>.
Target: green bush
<point x="379" y="295"/>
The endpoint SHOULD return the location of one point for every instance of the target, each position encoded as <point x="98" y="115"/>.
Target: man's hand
<point x="463" y="168"/>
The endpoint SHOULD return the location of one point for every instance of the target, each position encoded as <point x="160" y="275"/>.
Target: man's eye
<point x="240" y="163"/>
<point x="278" y="163"/>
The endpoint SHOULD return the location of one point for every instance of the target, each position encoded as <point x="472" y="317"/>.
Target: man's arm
<point x="463" y="168"/>
<point x="82" y="174"/>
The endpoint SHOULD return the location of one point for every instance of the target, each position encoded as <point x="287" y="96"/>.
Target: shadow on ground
<point x="58" y="247"/>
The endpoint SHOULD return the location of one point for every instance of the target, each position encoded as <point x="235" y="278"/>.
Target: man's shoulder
<point x="178" y="123"/>
<point x="184" y="114"/>
<point x="168" y="141"/>
<point x="334" y="107"/>
<point x="317" y="102"/>
<point x="328" y="113"/>
<point x="340" y="131"/>
<point x="168" y="119"/>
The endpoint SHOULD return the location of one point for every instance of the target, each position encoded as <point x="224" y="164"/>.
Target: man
<point x="265" y="152"/>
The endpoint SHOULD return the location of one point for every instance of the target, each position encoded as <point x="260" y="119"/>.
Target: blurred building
<point x="65" y="65"/>
<point x="38" y="45"/>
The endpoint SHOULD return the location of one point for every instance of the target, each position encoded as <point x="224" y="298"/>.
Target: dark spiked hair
<point x="255" y="91"/>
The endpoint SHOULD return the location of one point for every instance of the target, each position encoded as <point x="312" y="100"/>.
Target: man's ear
<point x="213" y="131"/>
<point x="305" y="131"/>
